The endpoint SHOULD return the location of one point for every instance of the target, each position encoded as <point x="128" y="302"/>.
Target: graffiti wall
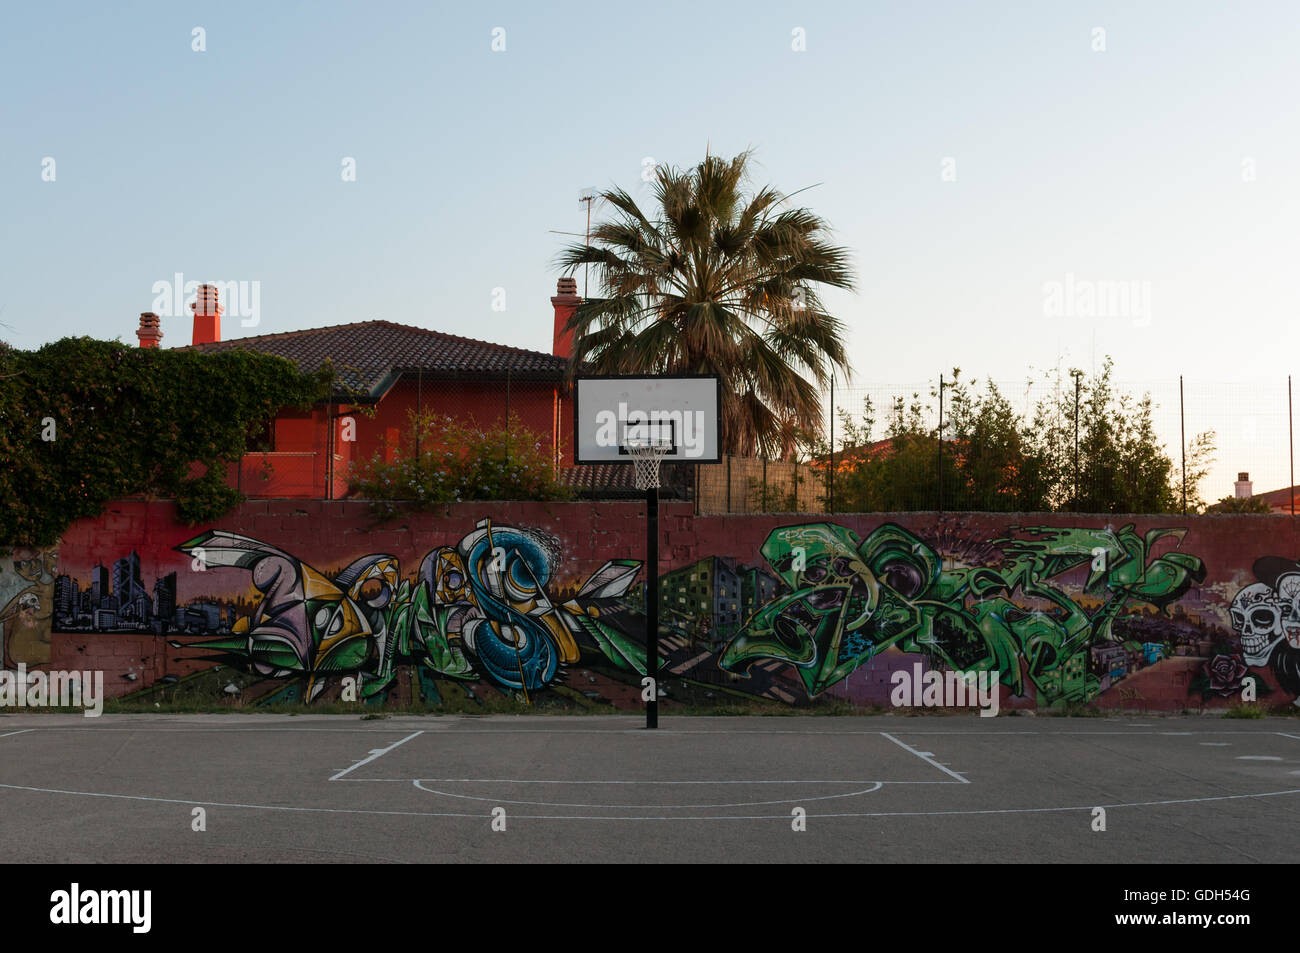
<point x="544" y="604"/>
<point x="27" y="577"/>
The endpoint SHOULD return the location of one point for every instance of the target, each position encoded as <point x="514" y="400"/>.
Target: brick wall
<point x="1217" y="557"/>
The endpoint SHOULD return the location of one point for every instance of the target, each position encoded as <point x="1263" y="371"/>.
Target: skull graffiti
<point x="1257" y="615"/>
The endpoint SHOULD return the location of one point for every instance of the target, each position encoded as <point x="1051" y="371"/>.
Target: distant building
<point x="66" y="597"/>
<point x="127" y="586"/>
<point x="99" y="590"/>
<point x="202" y="617"/>
<point x="164" y="599"/>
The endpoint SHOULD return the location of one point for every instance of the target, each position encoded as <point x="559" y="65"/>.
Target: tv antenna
<point x="587" y="197"/>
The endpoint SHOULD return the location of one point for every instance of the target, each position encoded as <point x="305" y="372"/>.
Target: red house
<point x="399" y="368"/>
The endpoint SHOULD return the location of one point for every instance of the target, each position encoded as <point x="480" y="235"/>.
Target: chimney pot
<point x="149" y="332"/>
<point x="565" y="302"/>
<point x="207" y="315"/>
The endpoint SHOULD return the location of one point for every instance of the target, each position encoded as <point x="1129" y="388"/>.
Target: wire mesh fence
<point x="1072" y="443"/>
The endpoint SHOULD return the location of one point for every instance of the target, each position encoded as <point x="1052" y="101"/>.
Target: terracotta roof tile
<point x="369" y="354"/>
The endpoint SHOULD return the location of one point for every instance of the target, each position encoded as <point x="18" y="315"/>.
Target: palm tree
<point x="721" y="282"/>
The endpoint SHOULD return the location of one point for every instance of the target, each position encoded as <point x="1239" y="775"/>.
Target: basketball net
<point x="646" y="458"/>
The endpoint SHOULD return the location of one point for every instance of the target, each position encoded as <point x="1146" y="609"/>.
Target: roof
<point x="618" y="480"/>
<point x="1279" y="499"/>
<point x="371" y="355"/>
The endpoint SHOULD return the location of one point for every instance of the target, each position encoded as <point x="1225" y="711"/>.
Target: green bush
<point x="442" y="459"/>
<point x="83" y="422"/>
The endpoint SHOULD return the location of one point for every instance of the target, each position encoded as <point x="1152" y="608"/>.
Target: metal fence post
<point x="728" y="483"/>
<point x="1075" y="505"/>
<point x="1182" y="438"/>
<point x="940" y="472"/>
<point x="830" y="499"/>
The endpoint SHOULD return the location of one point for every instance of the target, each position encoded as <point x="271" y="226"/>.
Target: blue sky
<point x="1168" y="161"/>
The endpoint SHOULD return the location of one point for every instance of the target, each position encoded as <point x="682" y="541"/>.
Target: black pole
<point x="652" y="605"/>
<point x="1076" y="442"/>
<point x="1290" y="429"/>
<point x="1182" y="436"/>
<point x="940" y="471"/>
<point x="830" y="499"/>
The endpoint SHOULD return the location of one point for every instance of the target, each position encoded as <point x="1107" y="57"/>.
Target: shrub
<point x="442" y="459"/>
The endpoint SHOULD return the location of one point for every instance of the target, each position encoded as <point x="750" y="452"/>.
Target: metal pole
<point x="1290" y="429"/>
<point x="1076" y="442"/>
<point x="507" y="417"/>
<point x="652" y="605"/>
<point x="1182" y="437"/>
<point x="830" y="499"/>
<point x="940" y="472"/>
<point x="764" y="484"/>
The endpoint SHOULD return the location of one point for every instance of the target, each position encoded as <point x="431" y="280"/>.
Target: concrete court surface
<point x="123" y="788"/>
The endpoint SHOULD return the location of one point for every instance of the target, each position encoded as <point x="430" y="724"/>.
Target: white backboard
<point x="611" y="412"/>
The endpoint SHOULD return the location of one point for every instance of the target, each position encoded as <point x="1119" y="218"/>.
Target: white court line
<point x="376" y="753"/>
<point x="722" y="817"/>
<point x="535" y="781"/>
<point x="927" y="757"/>
<point x="1285" y="735"/>
<point x="875" y="786"/>
<point x="20" y="731"/>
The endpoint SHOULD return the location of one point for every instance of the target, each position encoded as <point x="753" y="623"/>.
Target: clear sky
<point x="1167" y="163"/>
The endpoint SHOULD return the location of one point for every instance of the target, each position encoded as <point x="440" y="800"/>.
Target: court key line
<point x="376" y="753"/>
<point x="647" y="807"/>
<point x="927" y="757"/>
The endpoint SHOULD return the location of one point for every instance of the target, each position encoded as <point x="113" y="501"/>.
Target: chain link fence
<point x="1056" y="444"/>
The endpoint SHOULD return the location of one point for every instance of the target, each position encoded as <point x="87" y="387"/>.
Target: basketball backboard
<point x="613" y="413"/>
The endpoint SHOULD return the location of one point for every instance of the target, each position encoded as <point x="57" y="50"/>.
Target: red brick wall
<point x="330" y="535"/>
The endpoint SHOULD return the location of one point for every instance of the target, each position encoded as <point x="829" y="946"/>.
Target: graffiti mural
<point x="808" y="614"/>
<point x="851" y="599"/>
<point x="27" y="577"/>
<point x="1266" y="617"/>
<point x="479" y="609"/>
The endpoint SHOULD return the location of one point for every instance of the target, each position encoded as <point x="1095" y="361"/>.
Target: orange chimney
<point x="565" y="302"/>
<point x="207" y="315"/>
<point x="149" y="332"/>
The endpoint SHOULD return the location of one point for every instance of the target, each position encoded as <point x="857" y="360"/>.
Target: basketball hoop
<point x="646" y="457"/>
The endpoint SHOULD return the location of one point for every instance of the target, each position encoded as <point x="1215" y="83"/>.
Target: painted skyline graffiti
<point x="1064" y="614"/>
